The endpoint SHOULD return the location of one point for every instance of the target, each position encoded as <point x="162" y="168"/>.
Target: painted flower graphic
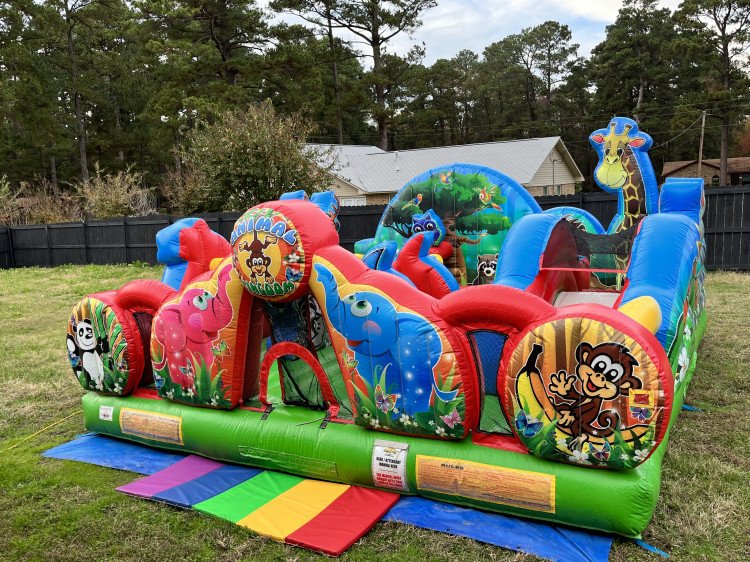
<point x="639" y="455"/>
<point x="683" y="361"/>
<point x="452" y="419"/>
<point x="440" y="431"/>
<point x="579" y="457"/>
<point x="688" y="333"/>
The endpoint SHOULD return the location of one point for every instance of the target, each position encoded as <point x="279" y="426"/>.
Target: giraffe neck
<point x="633" y="195"/>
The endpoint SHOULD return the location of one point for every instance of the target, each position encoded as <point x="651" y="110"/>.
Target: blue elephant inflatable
<point x="403" y="345"/>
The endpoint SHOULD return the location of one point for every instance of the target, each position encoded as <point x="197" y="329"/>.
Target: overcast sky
<point x="473" y="24"/>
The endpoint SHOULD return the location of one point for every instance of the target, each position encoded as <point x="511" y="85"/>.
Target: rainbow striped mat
<point x="321" y="516"/>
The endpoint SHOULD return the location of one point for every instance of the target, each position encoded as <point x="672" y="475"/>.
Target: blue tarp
<point x="533" y="537"/>
<point x="97" y="449"/>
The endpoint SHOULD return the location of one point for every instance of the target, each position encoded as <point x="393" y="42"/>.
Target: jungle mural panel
<point x="470" y="206"/>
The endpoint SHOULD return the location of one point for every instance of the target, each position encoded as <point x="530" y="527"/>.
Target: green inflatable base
<point x="290" y="439"/>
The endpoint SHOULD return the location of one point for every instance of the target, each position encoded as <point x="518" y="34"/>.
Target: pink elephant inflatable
<point x="187" y="329"/>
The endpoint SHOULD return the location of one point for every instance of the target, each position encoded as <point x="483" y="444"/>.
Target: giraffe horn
<point x="628" y="127"/>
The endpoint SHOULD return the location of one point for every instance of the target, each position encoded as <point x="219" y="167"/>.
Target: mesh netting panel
<point x="492" y="419"/>
<point x="143" y="322"/>
<point x="605" y="251"/>
<point x="302" y="322"/>
<point x="488" y="348"/>
<point x="327" y="358"/>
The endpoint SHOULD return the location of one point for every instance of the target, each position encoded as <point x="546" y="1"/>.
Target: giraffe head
<point x="614" y="148"/>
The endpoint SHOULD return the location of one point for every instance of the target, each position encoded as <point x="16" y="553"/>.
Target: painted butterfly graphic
<point x="350" y="362"/>
<point x="452" y="419"/>
<point x="384" y="402"/>
<point x="292" y="275"/>
<point x="158" y="381"/>
<point x="641" y="414"/>
<point x="601" y="454"/>
<point x="220" y="350"/>
<point x="528" y="425"/>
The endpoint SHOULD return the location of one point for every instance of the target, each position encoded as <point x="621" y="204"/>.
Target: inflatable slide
<point x="476" y="350"/>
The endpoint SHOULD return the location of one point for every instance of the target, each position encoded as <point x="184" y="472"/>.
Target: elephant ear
<point x="169" y="330"/>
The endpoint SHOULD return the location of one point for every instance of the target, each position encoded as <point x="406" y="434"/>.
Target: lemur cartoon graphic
<point x="85" y="351"/>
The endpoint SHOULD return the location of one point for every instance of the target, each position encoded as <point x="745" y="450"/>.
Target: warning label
<point x="159" y="427"/>
<point x="389" y="465"/>
<point x="105" y="413"/>
<point x="484" y="482"/>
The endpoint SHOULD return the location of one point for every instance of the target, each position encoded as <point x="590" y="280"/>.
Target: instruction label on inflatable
<point x="389" y="465"/>
<point x="150" y="425"/>
<point x="484" y="482"/>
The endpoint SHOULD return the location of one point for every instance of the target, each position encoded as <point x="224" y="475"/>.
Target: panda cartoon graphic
<point x="85" y="352"/>
<point x="486" y="267"/>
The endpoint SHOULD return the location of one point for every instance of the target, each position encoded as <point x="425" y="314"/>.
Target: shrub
<point x="118" y="194"/>
<point x="35" y="203"/>
<point x="246" y="158"/>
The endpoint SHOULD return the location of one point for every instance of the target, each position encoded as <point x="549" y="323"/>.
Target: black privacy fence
<point x="130" y="239"/>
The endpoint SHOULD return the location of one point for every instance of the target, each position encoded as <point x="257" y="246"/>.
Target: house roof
<point x="373" y="170"/>
<point x="734" y="165"/>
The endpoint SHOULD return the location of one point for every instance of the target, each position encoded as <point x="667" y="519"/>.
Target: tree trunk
<point x="118" y="127"/>
<point x="727" y="80"/>
<point x="335" y="73"/>
<point x="53" y="175"/>
<point x="724" y="155"/>
<point x="641" y="91"/>
<point x="377" y="65"/>
<point x="80" y="125"/>
<point x="177" y="163"/>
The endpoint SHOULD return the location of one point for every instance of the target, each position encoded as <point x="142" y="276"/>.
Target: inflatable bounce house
<point x="477" y="350"/>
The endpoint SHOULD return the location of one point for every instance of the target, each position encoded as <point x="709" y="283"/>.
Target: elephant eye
<point x="361" y="308"/>
<point x="351" y="298"/>
<point x="200" y="302"/>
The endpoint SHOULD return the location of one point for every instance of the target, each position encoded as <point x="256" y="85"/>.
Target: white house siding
<point x="563" y="177"/>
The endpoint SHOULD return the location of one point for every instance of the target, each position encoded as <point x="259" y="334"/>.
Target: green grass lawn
<point x="61" y="510"/>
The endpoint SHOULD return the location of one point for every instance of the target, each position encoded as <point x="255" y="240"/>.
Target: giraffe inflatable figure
<point x="625" y="169"/>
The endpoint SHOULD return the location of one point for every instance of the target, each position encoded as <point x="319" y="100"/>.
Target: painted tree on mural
<point x="469" y="205"/>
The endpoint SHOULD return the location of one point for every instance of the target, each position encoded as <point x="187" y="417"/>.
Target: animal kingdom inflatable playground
<point x="476" y="350"/>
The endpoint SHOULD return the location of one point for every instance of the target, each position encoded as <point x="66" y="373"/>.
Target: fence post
<point x="85" y="243"/>
<point x="49" y="249"/>
<point x="125" y="239"/>
<point x="10" y="247"/>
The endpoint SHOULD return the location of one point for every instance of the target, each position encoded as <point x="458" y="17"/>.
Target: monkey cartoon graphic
<point x="486" y="267"/>
<point x="604" y="372"/>
<point x="257" y="262"/>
